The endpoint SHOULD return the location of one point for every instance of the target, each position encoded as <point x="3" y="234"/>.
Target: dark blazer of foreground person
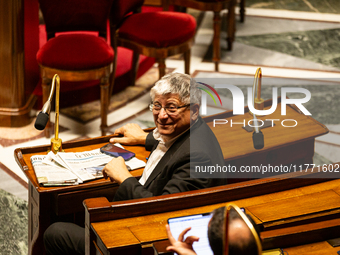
<point x="197" y="146"/>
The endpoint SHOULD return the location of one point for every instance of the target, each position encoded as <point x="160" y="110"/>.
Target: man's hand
<point x="116" y="170"/>
<point x="133" y="134"/>
<point x="179" y="246"/>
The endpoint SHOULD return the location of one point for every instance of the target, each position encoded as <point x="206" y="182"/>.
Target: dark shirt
<point x="197" y="146"/>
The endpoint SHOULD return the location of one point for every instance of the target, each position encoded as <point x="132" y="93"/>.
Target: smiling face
<point x="171" y="125"/>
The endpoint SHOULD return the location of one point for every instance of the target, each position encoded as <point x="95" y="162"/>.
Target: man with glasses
<point x="180" y="141"/>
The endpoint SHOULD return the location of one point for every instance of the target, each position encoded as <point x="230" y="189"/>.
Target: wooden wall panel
<point x="19" y="42"/>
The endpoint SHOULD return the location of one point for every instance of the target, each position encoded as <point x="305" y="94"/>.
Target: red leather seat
<point x="74" y="53"/>
<point x="158" y="29"/>
<point x="67" y="52"/>
<point x="153" y="34"/>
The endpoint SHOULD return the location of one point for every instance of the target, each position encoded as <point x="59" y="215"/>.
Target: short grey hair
<point x="178" y="83"/>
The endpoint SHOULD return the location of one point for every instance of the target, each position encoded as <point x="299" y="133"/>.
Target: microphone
<point x="258" y="139"/>
<point x="43" y="116"/>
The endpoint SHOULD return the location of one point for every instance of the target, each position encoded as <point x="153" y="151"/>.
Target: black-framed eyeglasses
<point x="170" y="109"/>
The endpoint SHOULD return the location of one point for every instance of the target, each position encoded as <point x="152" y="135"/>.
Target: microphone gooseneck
<point x="44" y="115"/>
<point x="258" y="138"/>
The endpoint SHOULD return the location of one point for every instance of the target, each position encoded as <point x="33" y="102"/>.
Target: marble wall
<point x="13" y="224"/>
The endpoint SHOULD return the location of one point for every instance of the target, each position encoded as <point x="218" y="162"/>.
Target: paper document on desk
<point x="135" y="163"/>
<point x="88" y="165"/>
<point x="82" y="166"/>
<point x="52" y="174"/>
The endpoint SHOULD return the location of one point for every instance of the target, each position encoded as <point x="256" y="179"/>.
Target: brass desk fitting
<point x="56" y="143"/>
<point x="257" y="100"/>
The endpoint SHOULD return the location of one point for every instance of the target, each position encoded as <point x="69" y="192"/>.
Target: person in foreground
<point x="241" y="241"/>
<point x="175" y="150"/>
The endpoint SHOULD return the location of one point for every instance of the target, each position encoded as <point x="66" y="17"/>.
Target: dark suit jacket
<point x="172" y="173"/>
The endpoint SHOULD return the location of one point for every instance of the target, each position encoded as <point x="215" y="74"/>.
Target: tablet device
<point x="199" y="227"/>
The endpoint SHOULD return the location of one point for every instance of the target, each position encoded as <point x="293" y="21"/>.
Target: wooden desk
<point x="49" y="204"/>
<point x="282" y="145"/>
<point x="137" y="234"/>
<point x="319" y="248"/>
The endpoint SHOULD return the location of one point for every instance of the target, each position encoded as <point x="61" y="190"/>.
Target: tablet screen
<point x="199" y="227"/>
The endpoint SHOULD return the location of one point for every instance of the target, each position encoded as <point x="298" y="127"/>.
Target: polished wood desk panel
<point x="282" y="209"/>
<point x="319" y="248"/>
<point x="100" y="209"/>
<point x="316" y="231"/>
<point x="151" y="228"/>
<point x="48" y="204"/>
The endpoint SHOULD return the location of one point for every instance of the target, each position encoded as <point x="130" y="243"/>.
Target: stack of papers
<point x="72" y="168"/>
